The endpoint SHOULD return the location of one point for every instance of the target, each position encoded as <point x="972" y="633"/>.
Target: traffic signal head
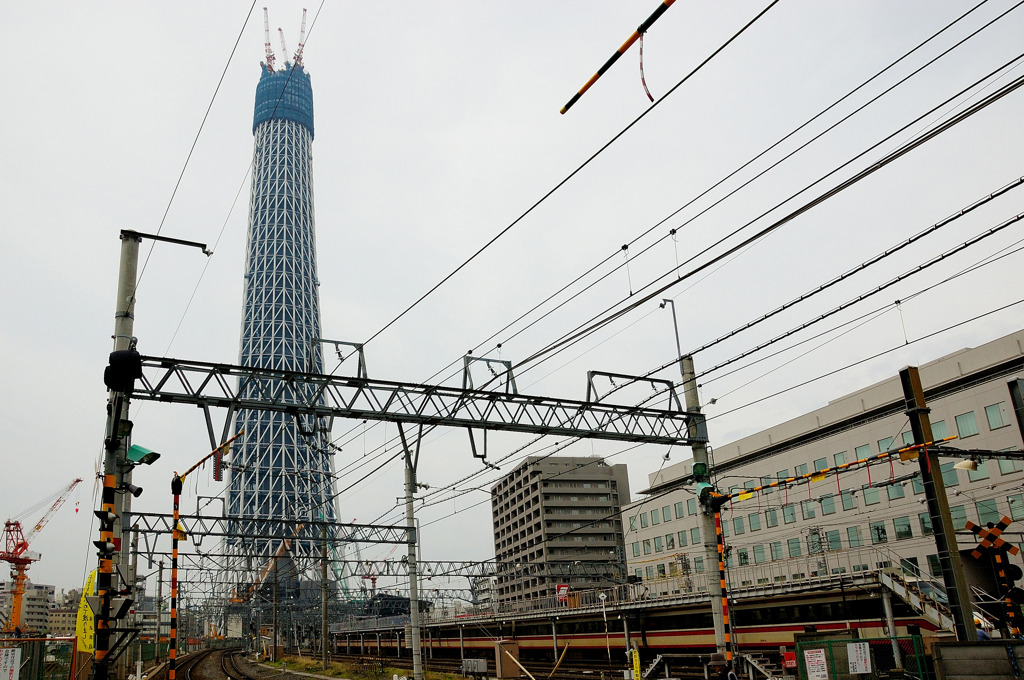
<point x="700" y="470"/>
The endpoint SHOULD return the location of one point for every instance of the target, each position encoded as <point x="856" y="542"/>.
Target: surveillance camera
<point x="135" y="491"/>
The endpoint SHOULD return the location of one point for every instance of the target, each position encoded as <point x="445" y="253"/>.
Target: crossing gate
<point x="871" y="659"/>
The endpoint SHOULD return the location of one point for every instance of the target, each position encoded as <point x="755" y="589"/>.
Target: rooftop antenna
<point x="284" y="47"/>
<point x="266" y="41"/>
<point x="297" y="58"/>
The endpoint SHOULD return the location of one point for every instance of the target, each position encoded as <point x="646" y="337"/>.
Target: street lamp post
<point x="604" y="615"/>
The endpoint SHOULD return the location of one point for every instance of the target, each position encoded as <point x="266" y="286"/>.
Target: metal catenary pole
<point x="411" y="459"/>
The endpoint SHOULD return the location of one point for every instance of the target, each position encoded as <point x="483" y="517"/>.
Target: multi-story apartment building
<point x="974" y="394"/>
<point x="35" y="605"/>
<point x="557" y="509"/>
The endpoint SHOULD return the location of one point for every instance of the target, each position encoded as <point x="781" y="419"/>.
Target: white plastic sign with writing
<point x="10" y="663"/>
<point x="816" y="664"/>
<point x="859" y="655"/>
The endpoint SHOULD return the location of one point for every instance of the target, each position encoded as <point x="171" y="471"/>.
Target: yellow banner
<point x="85" y="624"/>
<point x="818" y="476"/>
<point x="744" y="496"/>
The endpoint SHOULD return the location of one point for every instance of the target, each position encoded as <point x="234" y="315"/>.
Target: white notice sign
<point x="817" y="665"/>
<point x="859" y="655"/>
<point x="10" y="663"/>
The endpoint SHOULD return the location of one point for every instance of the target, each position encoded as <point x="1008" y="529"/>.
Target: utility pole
<point x="700" y="465"/>
<point x="938" y="507"/>
<point x="411" y="461"/>
<point x="323" y="601"/>
<point x="159" y="611"/>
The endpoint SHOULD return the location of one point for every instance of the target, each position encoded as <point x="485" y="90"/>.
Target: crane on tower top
<point x="266" y="41"/>
<point x="297" y="58"/>
<point x="284" y="47"/>
<point x="15" y="550"/>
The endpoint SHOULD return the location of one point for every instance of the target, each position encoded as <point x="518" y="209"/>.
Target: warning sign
<point x="859" y="655"/>
<point x="10" y="663"/>
<point x="816" y="664"/>
<point x="562" y="590"/>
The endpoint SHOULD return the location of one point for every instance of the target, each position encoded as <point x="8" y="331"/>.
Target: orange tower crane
<point x="15" y="551"/>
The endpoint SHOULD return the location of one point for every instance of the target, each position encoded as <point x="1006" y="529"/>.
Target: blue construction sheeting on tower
<point x="285" y="95"/>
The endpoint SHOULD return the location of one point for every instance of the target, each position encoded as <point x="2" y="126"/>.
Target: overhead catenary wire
<point x="610" y="314"/>
<point x="746" y="164"/>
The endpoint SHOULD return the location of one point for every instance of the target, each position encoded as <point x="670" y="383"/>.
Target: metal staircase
<point x="926" y="595"/>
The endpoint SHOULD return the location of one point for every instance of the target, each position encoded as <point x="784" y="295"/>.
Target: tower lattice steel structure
<point x="283" y="467"/>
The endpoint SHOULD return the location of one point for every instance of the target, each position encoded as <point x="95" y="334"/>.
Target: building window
<point x="789" y="513"/>
<point x="988" y="512"/>
<point x="908" y="438"/>
<point x="884" y="444"/>
<point x="849" y="500"/>
<point x="793" y="545"/>
<point x="994" y="413"/>
<point x="765" y="481"/>
<point x="917" y="484"/>
<point x="949" y="476"/>
<point x="670" y="541"/>
<point x="853" y="537"/>
<point x="649" y="572"/>
<point x="1008" y="466"/>
<point x="782" y="475"/>
<point x="939" y="430"/>
<point x="771" y="516"/>
<point x="695" y="536"/>
<point x="636" y="549"/>
<point x="754" y="521"/>
<point x="661" y="571"/>
<point x="1016" y="502"/>
<point x="639" y="573"/>
<point x="698" y="565"/>
<point x="895" y="491"/>
<point x="647" y="546"/>
<point x="839" y="458"/>
<point x="659" y="545"/>
<point x="828" y="504"/>
<point x="632" y="523"/>
<point x="678" y="507"/>
<point x="934" y="566"/>
<point x="744" y="556"/>
<point x="643" y="521"/>
<point x="925" y="520"/>
<point x="980" y="473"/>
<point x="682" y="538"/>
<point x="878" y="533"/>
<point x="666" y="513"/>
<point x="835" y="541"/>
<point x="800" y="470"/>
<point x="820" y="464"/>
<point x="966" y="426"/>
<point x="737" y="525"/>
<point x="871" y="496"/>
<point x="813" y="543"/>
<point x="691" y="506"/>
<point x="655" y="520"/>
<point x="862" y="452"/>
<point x="958" y="514"/>
<point x="759" y="557"/>
<point x="725" y="528"/>
<point x="807" y="509"/>
<point x="775" y="550"/>
<point x="902" y="527"/>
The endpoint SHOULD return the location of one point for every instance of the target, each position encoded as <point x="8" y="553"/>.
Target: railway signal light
<point x="123" y="369"/>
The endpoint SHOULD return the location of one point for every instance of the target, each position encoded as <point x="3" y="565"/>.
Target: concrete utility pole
<point x="700" y="456"/>
<point x="938" y="508"/>
<point x="411" y="461"/>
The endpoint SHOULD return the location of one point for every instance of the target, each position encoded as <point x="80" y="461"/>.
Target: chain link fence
<point x="900" y="658"/>
<point x="41" y="658"/>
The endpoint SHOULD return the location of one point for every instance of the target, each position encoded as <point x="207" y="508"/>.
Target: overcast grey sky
<point x="437" y="125"/>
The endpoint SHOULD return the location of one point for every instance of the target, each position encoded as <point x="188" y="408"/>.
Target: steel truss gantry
<point x="329" y="396"/>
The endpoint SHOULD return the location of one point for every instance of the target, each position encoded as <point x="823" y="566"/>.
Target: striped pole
<point x="172" y="652"/>
<point x="618" y="53"/>
<point x="720" y="540"/>
<point x="104" y="573"/>
<point x="1010" y="614"/>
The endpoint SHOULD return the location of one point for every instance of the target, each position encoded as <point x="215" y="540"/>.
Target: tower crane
<point x="297" y="58"/>
<point x="284" y="47"/>
<point x="15" y="551"/>
<point x="266" y="41"/>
